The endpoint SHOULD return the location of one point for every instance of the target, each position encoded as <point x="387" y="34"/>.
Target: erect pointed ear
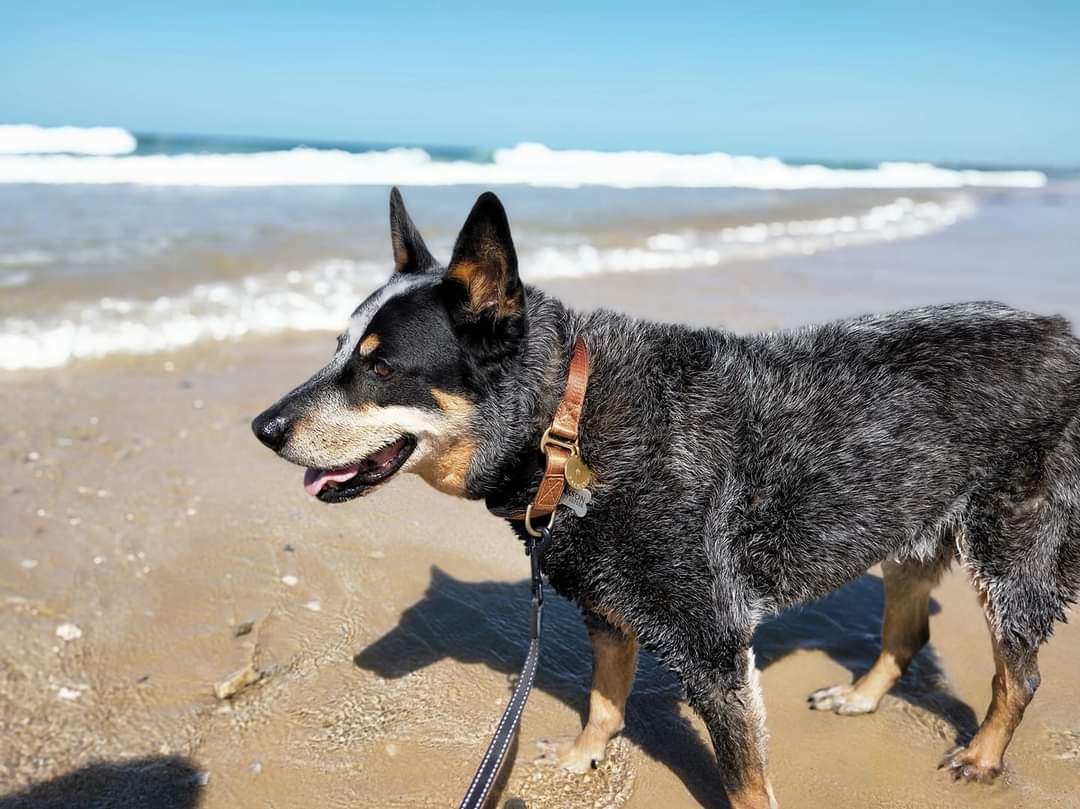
<point x="410" y="252"/>
<point x="484" y="264"/>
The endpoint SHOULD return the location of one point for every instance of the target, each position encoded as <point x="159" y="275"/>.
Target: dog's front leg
<point x="614" y="664"/>
<point x="727" y="697"/>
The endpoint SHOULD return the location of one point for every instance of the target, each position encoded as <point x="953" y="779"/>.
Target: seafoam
<point x="323" y="295"/>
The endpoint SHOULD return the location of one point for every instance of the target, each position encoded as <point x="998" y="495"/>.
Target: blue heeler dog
<point x="734" y="475"/>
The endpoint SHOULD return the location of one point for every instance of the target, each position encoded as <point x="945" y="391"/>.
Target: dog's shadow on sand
<point x="486" y="622"/>
<point x="157" y="782"/>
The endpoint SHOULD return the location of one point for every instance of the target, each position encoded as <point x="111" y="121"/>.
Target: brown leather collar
<point x="559" y="444"/>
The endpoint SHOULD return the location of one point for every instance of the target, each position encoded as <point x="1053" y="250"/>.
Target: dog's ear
<point x="483" y="271"/>
<point x="410" y="253"/>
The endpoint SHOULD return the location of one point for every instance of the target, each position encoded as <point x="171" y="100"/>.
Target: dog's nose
<point x="272" y="429"/>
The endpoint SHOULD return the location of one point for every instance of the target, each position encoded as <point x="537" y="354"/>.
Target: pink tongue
<point x="315" y="479"/>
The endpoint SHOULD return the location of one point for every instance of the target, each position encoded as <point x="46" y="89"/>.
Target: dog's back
<point x="820" y="452"/>
<point x="891" y="428"/>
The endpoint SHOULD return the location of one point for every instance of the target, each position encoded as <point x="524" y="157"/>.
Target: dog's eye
<point x="381" y="369"/>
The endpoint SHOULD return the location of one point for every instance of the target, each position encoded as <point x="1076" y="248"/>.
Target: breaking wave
<point x="27" y="139"/>
<point x="526" y="164"/>
<point x="322" y="296"/>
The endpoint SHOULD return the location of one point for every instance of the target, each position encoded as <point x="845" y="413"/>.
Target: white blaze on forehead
<point x="319" y="387"/>
<point x="398" y="285"/>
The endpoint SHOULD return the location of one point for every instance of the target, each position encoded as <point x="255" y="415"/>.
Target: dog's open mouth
<point x="339" y="485"/>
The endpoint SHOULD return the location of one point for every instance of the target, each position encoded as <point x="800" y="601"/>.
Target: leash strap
<point x="494" y="758"/>
<point x="559" y="445"/>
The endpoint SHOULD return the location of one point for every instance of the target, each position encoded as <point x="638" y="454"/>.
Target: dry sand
<point x="150" y="550"/>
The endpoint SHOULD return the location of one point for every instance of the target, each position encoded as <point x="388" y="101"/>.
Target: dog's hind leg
<point x="614" y="664"/>
<point x="1016" y="677"/>
<point x="1017" y="548"/>
<point x="905" y="630"/>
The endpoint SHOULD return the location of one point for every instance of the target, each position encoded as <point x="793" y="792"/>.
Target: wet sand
<point x="150" y="549"/>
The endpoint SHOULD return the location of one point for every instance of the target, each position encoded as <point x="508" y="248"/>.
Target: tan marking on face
<point x="369" y="343"/>
<point x="452" y="403"/>
<point x="447" y="465"/>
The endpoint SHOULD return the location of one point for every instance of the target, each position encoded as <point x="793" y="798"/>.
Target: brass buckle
<point x="547" y="439"/>
<point x="533" y="532"/>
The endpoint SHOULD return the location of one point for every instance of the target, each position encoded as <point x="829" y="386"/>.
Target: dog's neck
<point x="523" y="403"/>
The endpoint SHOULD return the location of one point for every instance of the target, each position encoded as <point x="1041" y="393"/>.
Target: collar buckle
<point x="559" y="445"/>
<point x="549" y="440"/>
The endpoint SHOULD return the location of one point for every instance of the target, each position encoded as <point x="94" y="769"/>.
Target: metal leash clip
<point x="535" y="551"/>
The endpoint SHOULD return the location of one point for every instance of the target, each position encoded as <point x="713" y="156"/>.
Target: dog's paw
<point x="842" y="699"/>
<point x="968" y="765"/>
<point x="568" y="754"/>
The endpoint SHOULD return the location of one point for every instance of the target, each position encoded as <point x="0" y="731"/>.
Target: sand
<point x="151" y="551"/>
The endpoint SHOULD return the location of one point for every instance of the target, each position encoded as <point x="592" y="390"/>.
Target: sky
<point x="981" y="82"/>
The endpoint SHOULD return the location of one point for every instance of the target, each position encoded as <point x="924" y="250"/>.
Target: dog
<point x="735" y="476"/>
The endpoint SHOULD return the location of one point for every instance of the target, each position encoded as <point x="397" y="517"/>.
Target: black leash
<point x="492" y="762"/>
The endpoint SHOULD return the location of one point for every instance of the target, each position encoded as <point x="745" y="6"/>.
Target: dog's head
<point x="400" y="391"/>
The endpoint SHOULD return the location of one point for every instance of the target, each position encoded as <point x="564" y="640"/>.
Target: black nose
<point x="272" y="429"/>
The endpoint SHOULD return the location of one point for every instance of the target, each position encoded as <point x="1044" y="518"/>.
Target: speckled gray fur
<point x="739" y="475"/>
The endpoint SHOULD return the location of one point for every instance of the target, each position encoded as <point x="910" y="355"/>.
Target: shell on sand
<point x="237" y="682"/>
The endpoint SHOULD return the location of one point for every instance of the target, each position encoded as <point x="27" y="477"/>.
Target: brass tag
<point x="577" y="473"/>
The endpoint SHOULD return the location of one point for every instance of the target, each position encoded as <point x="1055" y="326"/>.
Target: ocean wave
<point x="692" y="249"/>
<point x="321" y="296"/>
<point x="20" y="278"/>
<point x="24" y="258"/>
<point x="525" y="164"/>
<point x="27" y="139"/>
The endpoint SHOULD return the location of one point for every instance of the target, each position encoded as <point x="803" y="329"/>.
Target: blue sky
<point x="982" y="82"/>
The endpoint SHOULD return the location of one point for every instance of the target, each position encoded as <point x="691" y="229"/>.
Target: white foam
<point x="24" y="258"/>
<point x="19" y="278"/>
<point x="322" y="297"/>
<point x="900" y="219"/>
<point x="27" y="139"/>
<point x="527" y="163"/>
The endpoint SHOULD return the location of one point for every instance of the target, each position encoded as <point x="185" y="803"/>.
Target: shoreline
<point x="1044" y="250"/>
<point x="205" y="286"/>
